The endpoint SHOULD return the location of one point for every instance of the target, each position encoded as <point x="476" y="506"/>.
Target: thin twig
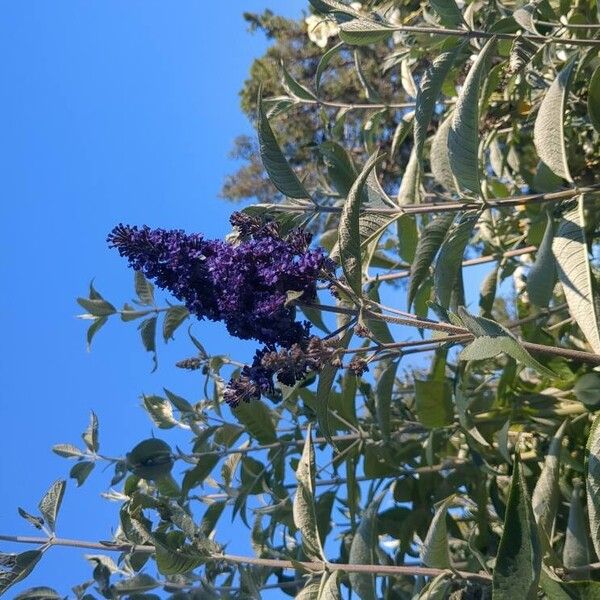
<point x="314" y="566"/>
<point x="441" y="205"/>
<point x="478" y="34"/>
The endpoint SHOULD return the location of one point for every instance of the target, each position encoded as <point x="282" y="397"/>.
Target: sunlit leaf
<point x="548" y="131"/>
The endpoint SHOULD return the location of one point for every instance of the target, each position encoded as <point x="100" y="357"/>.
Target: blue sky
<point x="110" y="111"/>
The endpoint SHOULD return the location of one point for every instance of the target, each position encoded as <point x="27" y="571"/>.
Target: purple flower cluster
<point x="245" y="285"/>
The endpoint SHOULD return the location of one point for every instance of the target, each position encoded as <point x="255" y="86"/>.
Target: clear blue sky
<point x="110" y="111"/>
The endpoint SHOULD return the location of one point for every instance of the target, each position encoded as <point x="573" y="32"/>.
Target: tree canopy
<point x="404" y="430"/>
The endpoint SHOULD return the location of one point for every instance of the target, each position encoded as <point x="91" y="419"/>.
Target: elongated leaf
<point x="524" y="17"/>
<point x="257" y="419"/>
<point x="329" y="589"/>
<point x="349" y="229"/>
<point x="594" y="99"/>
<point x="449" y="261"/>
<point x="429" y="243"/>
<point x="383" y="397"/>
<point x="147" y="329"/>
<point x="362" y="32"/>
<point x="448" y="11"/>
<point x="428" y="93"/>
<point x="275" y="163"/>
<point x="50" y="504"/>
<point x="160" y="411"/>
<point x="174" y="317"/>
<point x="488" y="293"/>
<point x="363" y="551"/>
<point x="438" y="157"/>
<point x="39" y="593"/>
<point x="93" y="329"/>
<point x="21" y="566"/>
<point x="90" y="435"/>
<point x="81" y="471"/>
<point x="576" y="552"/>
<point x="325" y="60"/>
<point x="463" y="137"/>
<point x="144" y="289"/>
<point x="574" y="272"/>
<point x="542" y="275"/>
<point x="408" y="193"/>
<point x="434" y="552"/>
<point x="294" y="87"/>
<point x="305" y="516"/>
<point x="97" y="306"/>
<point x="491" y="339"/>
<point x="67" y="450"/>
<point x="340" y="168"/>
<point x="548" y="131"/>
<point x="546" y="493"/>
<point x="519" y="558"/>
<point x="592" y="482"/>
<point x="326" y="380"/>
<point x="433" y="401"/>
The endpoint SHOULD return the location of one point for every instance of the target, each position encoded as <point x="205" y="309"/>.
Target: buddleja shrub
<point x="356" y="466"/>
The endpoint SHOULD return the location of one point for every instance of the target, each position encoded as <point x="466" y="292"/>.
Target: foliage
<point x="414" y="141"/>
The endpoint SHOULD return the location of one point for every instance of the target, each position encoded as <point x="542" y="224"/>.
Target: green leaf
<point x="147" y="329"/>
<point x="340" y="168"/>
<point x="257" y="419"/>
<point x="429" y="243"/>
<point x="97" y="306"/>
<point x="592" y="451"/>
<point x="294" y="88"/>
<point x="449" y="13"/>
<point x="329" y="588"/>
<point x="275" y="163"/>
<point x="438" y="156"/>
<point x="93" y="329"/>
<point x="594" y="99"/>
<point x="542" y="275"/>
<point x="39" y="593"/>
<point x="574" y="272"/>
<point x="524" y="17"/>
<point x="576" y="552"/>
<point x="363" y="551"/>
<point x="304" y="509"/>
<point x="383" y="396"/>
<point x="80" y="471"/>
<point x="349" y="229"/>
<point x="90" y="435"/>
<point x="151" y="459"/>
<point x="21" y="566"/>
<point x="362" y="32"/>
<point x="50" y="504"/>
<point x="519" y="558"/>
<point x="587" y="390"/>
<point x="491" y="339"/>
<point x="463" y="137"/>
<point x="409" y="192"/>
<point x="433" y="400"/>
<point x="449" y="261"/>
<point x="160" y="411"/>
<point x="174" y="317"/>
<point x="488" y="292"/>
<point x="67" y="451"/>
<point x="144" y="289"/>
<point x="324" y="62"/>
<point x="37" y="522"/>
<point x="548" y="131"/>
<point x="138" y="584"/>
<point x="434" y="552"/>
<point x="546" y="493"/>
<point x="326" y="381"/>
<point x="428" y="93"/>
